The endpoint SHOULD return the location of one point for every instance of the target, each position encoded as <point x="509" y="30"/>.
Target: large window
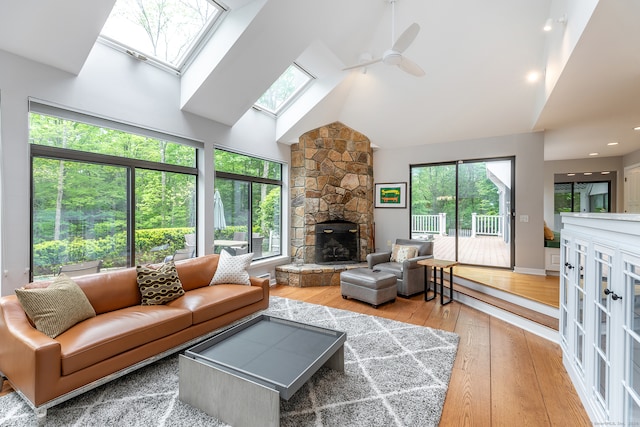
<point x="247" y="205"/>
<point x="104" y="194"/>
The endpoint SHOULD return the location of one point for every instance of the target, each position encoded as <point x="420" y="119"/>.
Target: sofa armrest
<point x="260" y="282"/>
<point x="28" y="358"/>
<point x="377" y="258"/>
<point x="413" y="262"/>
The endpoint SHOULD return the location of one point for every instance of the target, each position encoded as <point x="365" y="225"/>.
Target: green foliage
<point x="152" y="245"/>
<point x="241" y="164"/>
<point x="56" y="132"/>
<point x="269" y="213"/>
<point x="434" y="191"/>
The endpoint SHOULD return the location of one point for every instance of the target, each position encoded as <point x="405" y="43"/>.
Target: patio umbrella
<point x="218" y="212"/>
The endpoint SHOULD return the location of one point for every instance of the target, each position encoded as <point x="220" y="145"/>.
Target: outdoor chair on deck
<point x="182" y="254"/>
<point x="189" y="250"/>
<point x="256" y="243"/>
<point x="80" y="269"/>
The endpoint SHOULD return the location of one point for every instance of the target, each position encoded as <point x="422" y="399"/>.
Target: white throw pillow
<point x="401" y="253"/>
<point x="232" y="269"/>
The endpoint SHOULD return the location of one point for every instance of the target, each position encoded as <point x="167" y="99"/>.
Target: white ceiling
<point x="475" y="54"/>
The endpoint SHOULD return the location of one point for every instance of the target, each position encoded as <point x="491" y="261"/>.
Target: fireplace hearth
<point x="336" y="242"/>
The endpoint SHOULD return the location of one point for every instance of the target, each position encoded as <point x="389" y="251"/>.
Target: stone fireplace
<point x="331" y="181"/>
<point x="331" y="186"/>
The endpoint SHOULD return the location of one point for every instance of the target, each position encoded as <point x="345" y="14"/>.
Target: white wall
<point x="392" y="165"/>
<point x="114" y="86"/>
<point x="631" y="159"/>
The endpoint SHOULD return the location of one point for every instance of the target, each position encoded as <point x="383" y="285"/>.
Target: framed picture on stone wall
<point x="391" y="195"/>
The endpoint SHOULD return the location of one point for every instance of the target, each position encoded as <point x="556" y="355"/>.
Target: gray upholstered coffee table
<point x="239" y="375"/>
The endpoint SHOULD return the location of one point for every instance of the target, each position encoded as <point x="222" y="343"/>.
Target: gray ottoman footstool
<point x="372" y="286"/>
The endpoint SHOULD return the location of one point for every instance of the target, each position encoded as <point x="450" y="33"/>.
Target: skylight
<point x="163" y="31"/>
<point x="284" y="89"/>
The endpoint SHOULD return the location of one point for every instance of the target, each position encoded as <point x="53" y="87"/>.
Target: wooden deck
<point x="481" y="250"/>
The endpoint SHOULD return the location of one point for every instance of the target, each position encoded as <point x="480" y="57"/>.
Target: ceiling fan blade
<point x="411" y="67"/>
<point x="364" y="64"/>
<point x="406" y="38"/>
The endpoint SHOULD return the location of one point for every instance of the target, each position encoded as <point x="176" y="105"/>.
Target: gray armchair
<point x="409" y="274"/>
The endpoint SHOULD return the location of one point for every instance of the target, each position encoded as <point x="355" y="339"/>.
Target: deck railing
<point x="429" y="224"/>
<point x="486" y="225"/>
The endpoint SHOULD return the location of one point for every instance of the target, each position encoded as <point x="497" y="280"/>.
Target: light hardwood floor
<point x="542" y="289"/>
<point x="502" y="376"/>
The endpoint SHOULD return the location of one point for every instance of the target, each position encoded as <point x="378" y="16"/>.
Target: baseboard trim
<point x="533" y="271"/>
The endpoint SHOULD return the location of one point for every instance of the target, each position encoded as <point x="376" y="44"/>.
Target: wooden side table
<point x="438" y="264"/>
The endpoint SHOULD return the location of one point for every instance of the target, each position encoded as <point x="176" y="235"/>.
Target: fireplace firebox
<point x="337" y="242"/>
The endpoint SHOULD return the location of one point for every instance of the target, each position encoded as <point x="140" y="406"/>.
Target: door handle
<point x="614" y="296"/>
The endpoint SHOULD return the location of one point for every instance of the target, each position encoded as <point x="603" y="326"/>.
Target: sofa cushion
<point x="57" y="307"/>
<point x="158" y="284"/>
<point x="116" y="332"/>
<point x="401" y="253"/>
<point x="232" y="269"/>
<point x="213" y="301"/>
<point x="394" y="268"/>
<point x="425" y="247"/>
<point x="197" y="272"/>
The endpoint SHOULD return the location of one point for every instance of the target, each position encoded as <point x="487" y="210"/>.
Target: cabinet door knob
<point x="614" y="296"/>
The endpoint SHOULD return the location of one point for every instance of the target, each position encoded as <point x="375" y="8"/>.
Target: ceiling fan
<point x="394" y="55"/>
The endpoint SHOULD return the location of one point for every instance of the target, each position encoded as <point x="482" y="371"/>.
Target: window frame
<point x="292" y="98"/>
<point x="251" y="180"/>
<point x="187" y="59"/>
<point x="130" y="164"/>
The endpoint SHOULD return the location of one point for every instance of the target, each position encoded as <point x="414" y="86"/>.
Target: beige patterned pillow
<point x="401" y="253"/>
<point x="56" y="308"/>
<point x="159" y="284"/>
<point x="232" y="269"/>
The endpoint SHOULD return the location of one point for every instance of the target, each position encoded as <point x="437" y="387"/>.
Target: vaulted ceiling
<point x="476" y="56"/>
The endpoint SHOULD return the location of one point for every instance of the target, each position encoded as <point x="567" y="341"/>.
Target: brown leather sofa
<point x="123" y="335"/>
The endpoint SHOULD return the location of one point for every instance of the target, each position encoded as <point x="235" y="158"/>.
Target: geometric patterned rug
<point x="396" y="374"/>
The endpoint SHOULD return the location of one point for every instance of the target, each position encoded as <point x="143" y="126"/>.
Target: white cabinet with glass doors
<point x="600" y="313"/>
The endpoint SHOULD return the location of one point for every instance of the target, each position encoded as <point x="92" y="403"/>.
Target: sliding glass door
<point x="465" y="207"/>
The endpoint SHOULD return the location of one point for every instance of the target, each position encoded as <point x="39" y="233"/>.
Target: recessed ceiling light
<point x="588" y="173"/>
<point x="533" y="76"/>
<point x="636" y="128"/>
<point x="613" y="143"/>
<point x="571" y="174"/>
<point x="594" y="154"/>
<point x="605" y="173"/>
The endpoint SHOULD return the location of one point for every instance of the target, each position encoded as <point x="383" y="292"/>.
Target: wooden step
<point x="532" y="315"/>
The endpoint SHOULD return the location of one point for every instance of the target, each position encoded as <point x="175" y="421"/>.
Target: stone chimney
<point x="331" y="179"/>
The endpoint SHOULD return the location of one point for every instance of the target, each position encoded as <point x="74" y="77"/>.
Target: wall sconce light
<point x="548" y="25"/>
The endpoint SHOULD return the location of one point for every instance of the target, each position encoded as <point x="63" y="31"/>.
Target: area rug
<point x="396" y="374"/>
